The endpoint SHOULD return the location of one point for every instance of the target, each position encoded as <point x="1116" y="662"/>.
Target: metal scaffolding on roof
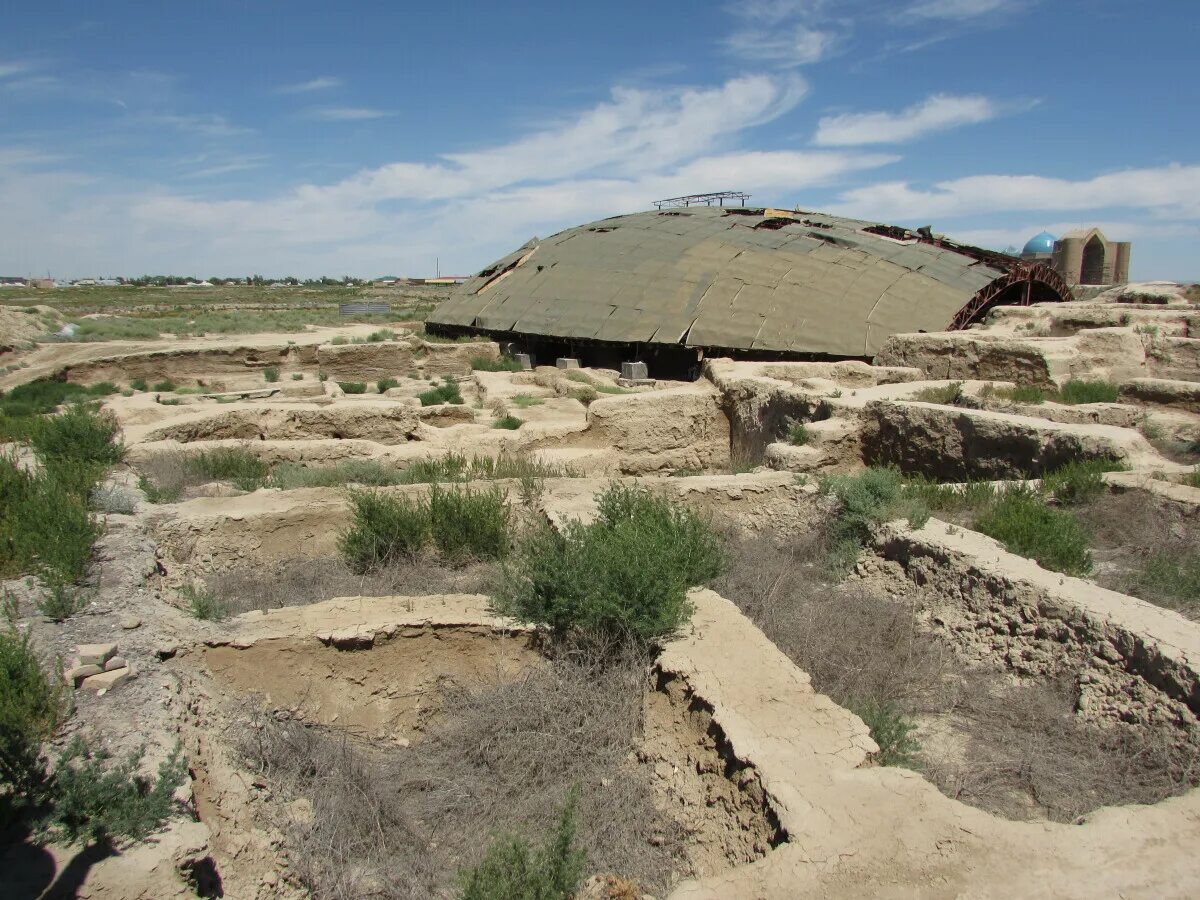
<point x="717" y="197"/>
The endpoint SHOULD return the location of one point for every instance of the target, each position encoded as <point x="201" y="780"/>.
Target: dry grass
<point x="295" y="582"/>
<point x="1014" y="749"/>
<point x="400" y="822"/>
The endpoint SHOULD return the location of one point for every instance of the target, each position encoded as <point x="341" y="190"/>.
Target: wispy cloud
<point x="1171" y="191"/>
<point x="14" y="67"/>
<point x="936" y="113"/>
<point x="796" y="45"/>
<point x="203" y="124"/>
<point x="346" y="113"/>
<point x="961" y="9"/>
<point x="324" y="83"/>
<point x="208" y="167"/>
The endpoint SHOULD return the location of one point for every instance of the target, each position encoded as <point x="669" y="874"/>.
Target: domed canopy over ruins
<point x="755" y="283"/>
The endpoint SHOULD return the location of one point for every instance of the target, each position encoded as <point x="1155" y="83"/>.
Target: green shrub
<point x="139" y="384"/>
<point x="95" y="801"/>
<point x="586" y="395"/>
<point x="1192" y="478"/>
<point x="891" y="730"/>
<point x="1025" y="525"/>
<point x="469" y="524"/>
<point x="44" y="395"/>
<point x="32" y="704"/>
<point x="165" y="386"/>
<point x="626" y="574"/>
<point x="45" y="525"/>
<point x="446" y="392"/>
<point x="577" y="376"/>
<point x="974" y="495"/>
<point x="386" y="384"/>
<point x="1078" y="391"/>
<point x="339" y="340"/>
<point x="203" y="604"/>
<point x="487" y="364"/>
<point x="235" y="464"/>
<point x="524" y="401"/>
<point x="865" y="500"/>
<point x="798" y="434"/>
<point x="79" y="435"/>
<point x="297" y="376"/>
<point x="166" y="493"/>
<point x="322" y="377"/>
<point x="271" y="374"/>
<point x="947" y="395"/>
<point x="508" y="423"/>
<point x="611" y="389"/>
<point x="1079" y="480"/>
<point x="383" y="334"/>
<point x="512" y="870"/>
<point x="456" y="467"/>
<point x="385" y="529"/>
<point x="353" y="387"/>
<point x="61" y="601"/>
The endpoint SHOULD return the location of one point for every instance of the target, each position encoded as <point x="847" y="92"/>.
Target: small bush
<point x="31" y="706"/>
<point x="1079" y="480"/>
<point x="79" y="435"/>
<point x="456" y="467"/>
<point x="1192" y="478"/>
<point x="139" y="384"/>
<point x="891" y="730"/>
<point x="586" y="395"/>
<point x="386" y="384"/>
<point x="469" y="524"/>
<point x="45" y="524"/>
<point x="446" y="392"/>
<point x="974" y="495"/>
<point x="339" y="340"/>
<point x="611" y="389"/>
<point x="61" y="601"/>
<point x="524" y="401"/>
<point x="112" y="499"/>
<point x="297" y="376"/>
<point x="271" y="374"/>
<point x="1025" y="525"/>
<point x="383" y="334"/>
<point x="353" y="387"/>
<point x="512" y="870"/>
<point x="1078" y="391"/>
<point x="487" y="364"/>
<point x="624" y="575"/>
<point x="322" y="377"/>
<point x="165" y="386"/>
<point x="798" y="434"/>
<point x="95" y="801"/>
<point x="508" y="423"/>
<point x="947" y="395"/>
<point x="577" y="376"/>
<point x="235" y="464"/>
<point x="203" y="604"/>
<point x="386" y="528"/>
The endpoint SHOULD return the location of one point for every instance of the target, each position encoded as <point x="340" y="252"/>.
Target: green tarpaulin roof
<point x="720" y="278"/>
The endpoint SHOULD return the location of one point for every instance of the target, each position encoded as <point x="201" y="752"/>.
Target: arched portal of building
<point x="1092" y="270"/>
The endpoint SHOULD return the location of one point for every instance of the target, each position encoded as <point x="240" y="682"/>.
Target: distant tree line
<point x="175" y="280"/>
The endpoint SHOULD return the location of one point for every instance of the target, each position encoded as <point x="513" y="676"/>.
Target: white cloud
<point x="960" y="9"/>
<point x="203" y="124"/>
<point x="796" y="45"/>
<point x="324" y="83"/>
<point x="936" y="113"/>
<point x="1168" y="191"/>
<point x="466" y="207"/>
<point x="347" y="113"/>
<point x="8" y="69"/>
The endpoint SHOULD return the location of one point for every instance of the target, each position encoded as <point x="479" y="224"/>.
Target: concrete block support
<point x="634" y="371"/>
<point x="524" y="360"/>
<point x="567" y="362"/>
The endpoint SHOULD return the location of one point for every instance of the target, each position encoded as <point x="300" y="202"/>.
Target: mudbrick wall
<point x="1132" y="661"/>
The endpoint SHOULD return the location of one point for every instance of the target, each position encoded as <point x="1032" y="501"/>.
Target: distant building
<point x="45" y="283"/>
<point x="12" y="281"/>
<point x="1081" y="257"/>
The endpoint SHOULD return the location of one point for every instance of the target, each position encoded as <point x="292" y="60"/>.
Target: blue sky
<point x="308" y="138"/>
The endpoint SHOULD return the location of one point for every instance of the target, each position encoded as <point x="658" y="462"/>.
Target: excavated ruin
<point x="754" y="777"/>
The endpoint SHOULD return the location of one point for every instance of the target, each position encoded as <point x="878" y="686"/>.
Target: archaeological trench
<point x="758" y="784"/>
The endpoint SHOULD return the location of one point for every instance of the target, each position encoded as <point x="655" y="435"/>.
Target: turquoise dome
<point x="1040" y="243"/>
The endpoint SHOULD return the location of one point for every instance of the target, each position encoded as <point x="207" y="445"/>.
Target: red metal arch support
<point x="1041" y="284"/>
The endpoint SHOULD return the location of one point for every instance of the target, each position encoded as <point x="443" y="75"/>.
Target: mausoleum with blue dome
<point x="1040" y="246"/>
